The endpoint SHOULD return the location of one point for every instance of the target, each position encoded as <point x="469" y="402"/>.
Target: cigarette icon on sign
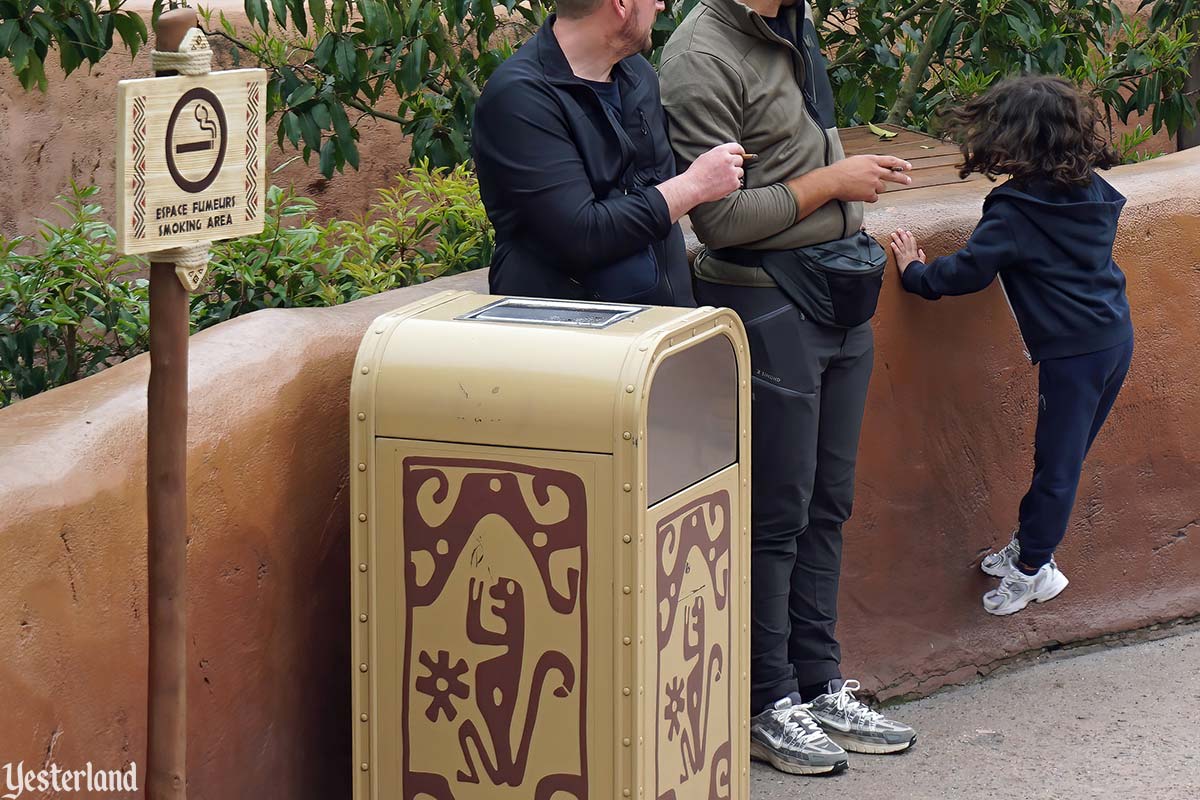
<point x="205" y="124"/>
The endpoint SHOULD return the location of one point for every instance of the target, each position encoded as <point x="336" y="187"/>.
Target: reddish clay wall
<point x="945" y="458"/>
<point x="268" y="560"/>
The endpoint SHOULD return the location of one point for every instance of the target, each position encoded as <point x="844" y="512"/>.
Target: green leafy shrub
<point x="71" y="306"/>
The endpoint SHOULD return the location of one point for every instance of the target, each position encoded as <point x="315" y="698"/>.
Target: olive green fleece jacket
<point x="727" y="77"/>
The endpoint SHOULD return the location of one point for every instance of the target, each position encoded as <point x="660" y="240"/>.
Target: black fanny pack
<point x="835" y="283"/>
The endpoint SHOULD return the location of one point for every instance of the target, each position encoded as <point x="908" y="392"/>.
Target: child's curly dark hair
<point x="1030" y="127"/>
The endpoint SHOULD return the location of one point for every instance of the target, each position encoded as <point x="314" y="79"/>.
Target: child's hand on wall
<point x="904" y="245"/>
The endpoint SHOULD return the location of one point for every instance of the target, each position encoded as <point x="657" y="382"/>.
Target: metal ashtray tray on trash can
<point x="550" y="555"/>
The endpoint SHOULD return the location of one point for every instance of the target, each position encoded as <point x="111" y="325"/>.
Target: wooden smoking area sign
<point x="191" y="159"/>
<point x="191" y="169"/>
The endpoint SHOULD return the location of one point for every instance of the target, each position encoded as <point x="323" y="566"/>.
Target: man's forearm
<point x="812" y="190"/>
<point x="681" y="195"/>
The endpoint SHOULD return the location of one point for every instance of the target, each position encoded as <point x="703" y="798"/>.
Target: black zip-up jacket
<point x="1051" y="245"/>
<point x="569" y="188"/>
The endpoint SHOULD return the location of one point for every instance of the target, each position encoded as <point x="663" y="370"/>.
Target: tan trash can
<point x="550" y="552"/>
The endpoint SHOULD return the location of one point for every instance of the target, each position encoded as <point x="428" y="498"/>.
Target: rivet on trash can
<point x="362" y="517"/>
<point x="627" y="641"/>
<point x="365" y="370"/>
<point x="362" y="567"/>
<point x="627" y="435"/>
<point x="627" y="590"/>
<point x="362" y="667"/>
<point x="361" y="416"/>
<point x="625" y="792"/>
<point x="362" y="467"/>
<point x="362" y="617"/>
<point x="363" y="717"/>
<point x="626" y="741"/>
<point x="379" y="330"/>
<point x="628" y="487"/>
<point x="625" y="691"/>
<point x="629" y="388"/>
<point x="363" y="767"/>
<point x="627" y="538"/>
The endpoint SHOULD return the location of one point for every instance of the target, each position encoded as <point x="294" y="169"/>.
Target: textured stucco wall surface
<point x="945" y="458"/>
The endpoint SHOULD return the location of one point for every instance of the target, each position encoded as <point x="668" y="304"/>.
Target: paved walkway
<point x="1120" y="723"/>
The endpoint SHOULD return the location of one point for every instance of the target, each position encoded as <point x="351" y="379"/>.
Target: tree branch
<point x="857" y="50"/>
<point x="918" y="71"/>
<point x="366" y="109"/>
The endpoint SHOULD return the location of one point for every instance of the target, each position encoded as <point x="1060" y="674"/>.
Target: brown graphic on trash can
<point x="694" y="629"/>
<point x="489" y="548"/>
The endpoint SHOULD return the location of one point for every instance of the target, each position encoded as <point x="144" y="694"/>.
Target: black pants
<point x="809" y="392"/>
<point x="1074" y="397"/>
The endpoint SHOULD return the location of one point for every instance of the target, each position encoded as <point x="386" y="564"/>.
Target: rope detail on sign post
<point x="191" y="262"/>
<point x="194" y="62"/>
<point x="194" y="56"/>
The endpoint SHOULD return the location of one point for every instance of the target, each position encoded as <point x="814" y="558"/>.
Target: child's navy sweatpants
<point x="1076" y="394"/>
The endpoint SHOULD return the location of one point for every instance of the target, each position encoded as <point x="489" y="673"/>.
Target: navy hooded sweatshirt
<point x="1051" y="245"/>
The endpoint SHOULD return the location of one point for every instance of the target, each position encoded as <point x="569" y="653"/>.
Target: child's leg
<point x="1076" y="394"/>
<point x="1112" y="388"/>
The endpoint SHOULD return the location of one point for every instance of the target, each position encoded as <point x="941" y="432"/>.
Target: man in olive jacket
<point x="575" y="168"/>
<point x="754" y="73"/>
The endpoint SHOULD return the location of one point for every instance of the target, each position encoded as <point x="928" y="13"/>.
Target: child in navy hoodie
<point x="1047" y="233"/>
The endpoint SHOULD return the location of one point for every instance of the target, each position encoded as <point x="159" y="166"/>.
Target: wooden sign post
<point x="191" y="160"/>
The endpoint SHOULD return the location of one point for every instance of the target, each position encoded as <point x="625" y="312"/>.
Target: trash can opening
<point x="554" y="312"/>
<point x="692" y="425"/>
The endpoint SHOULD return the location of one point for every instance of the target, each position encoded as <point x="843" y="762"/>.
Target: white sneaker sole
<point x="760" y="752"/>
<point x="1049" y="593"/>
<point x="852" y="745"/>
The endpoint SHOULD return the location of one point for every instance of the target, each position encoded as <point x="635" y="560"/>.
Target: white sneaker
<point x="1017" y="590"/>
<point x="1003" y="561"/>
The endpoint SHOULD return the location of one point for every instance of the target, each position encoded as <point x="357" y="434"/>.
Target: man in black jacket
<point x="575" y="167"/>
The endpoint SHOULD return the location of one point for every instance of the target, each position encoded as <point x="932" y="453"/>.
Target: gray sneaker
<point x="1018" y="590"/>
<point x="1003" y="561"/>
<point x="786" y="737"/>
<point x="1000" y="563"/>
<point x="855" y="727"/>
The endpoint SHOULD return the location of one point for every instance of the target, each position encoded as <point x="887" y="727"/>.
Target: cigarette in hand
<point x="748" y="157"/>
